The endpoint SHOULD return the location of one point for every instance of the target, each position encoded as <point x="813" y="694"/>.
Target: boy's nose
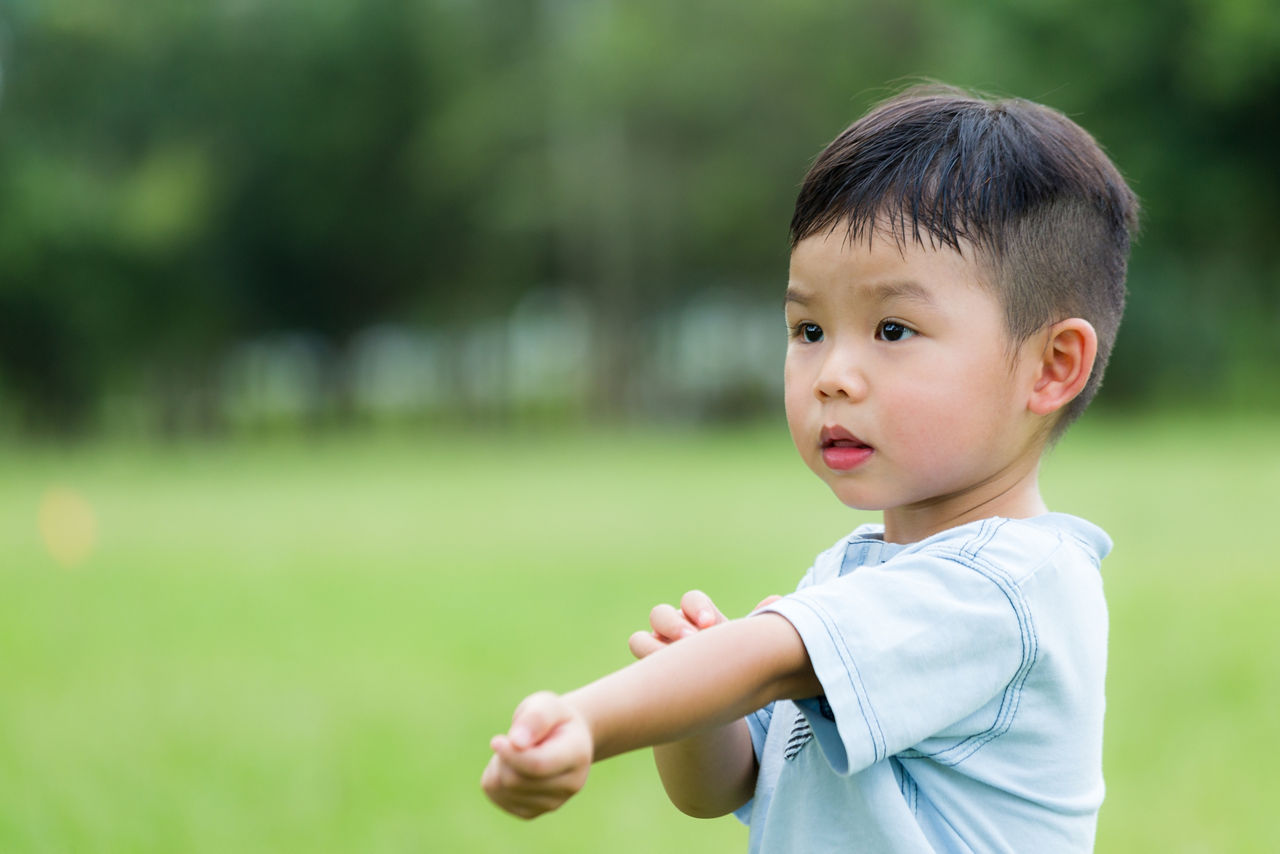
<point x="840" y="377"/>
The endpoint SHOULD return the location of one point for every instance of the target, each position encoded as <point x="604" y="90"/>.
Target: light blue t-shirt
<point x="963" y="679"/>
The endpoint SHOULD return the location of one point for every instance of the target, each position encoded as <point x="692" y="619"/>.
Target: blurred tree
<point x="175" y="181"/>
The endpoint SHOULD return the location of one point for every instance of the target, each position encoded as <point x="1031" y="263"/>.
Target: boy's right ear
<point x="1065" y="363"/>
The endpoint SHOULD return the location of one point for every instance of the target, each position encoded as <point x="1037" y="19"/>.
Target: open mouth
<point x="841" y="450"/>
<point x="838" y="437"/>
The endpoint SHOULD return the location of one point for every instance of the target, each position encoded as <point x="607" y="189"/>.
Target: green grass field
<point x="305" y="646"/>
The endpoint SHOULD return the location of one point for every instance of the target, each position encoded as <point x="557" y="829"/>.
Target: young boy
<point x="936" y="682"/>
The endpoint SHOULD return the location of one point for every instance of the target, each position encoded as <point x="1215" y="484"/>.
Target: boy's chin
<point x="856" y="500"/>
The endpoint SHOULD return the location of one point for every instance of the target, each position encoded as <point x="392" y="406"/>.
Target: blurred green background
<point x="367" y="366"/>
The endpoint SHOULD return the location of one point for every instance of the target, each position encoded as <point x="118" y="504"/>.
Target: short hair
<point x="1031" y="191"/>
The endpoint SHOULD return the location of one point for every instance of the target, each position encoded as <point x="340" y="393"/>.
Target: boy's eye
<point x="891" y="330"/>
<point x="810" y="333"/>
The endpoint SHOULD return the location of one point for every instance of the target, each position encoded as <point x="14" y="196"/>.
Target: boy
<point x="935" y="683"/>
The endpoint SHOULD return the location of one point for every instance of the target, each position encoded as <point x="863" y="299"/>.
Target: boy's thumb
<point x="534" y="719"/>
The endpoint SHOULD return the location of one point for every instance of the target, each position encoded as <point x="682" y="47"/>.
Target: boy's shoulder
<point x="1019" y="542"/>
<point x="1016" y="546"/>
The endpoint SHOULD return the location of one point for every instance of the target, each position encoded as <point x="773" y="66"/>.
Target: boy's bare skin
<point x="904" y="394"/>
<point x="716" y="677"/>
<point x="724" y="754"/>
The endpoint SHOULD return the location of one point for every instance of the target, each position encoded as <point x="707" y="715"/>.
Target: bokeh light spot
<point x="68" y="526"/>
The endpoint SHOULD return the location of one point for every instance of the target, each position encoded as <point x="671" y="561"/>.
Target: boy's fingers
<point x="643" y="644"/>
<point x="669" y="624"/>
<point x="699" y="610"/>
<point x="527" y="797"/>
<point x="510" y="791"/>
<point x="535" y="718"/>
<point x="542" y="767"/>
<point x="513" y="770"/>
<point x="505" y="786"/>
<point x="517" y="768"/>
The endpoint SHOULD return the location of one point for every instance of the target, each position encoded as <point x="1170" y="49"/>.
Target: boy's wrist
<point x="582" y="723"/>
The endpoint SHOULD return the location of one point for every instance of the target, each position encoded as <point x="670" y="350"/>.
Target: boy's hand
<point x="696" y="612"/>
<point x="543" y="759"/>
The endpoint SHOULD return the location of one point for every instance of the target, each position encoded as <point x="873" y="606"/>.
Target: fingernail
<point x="519" y="737"/>
<point x="706" y="618"/>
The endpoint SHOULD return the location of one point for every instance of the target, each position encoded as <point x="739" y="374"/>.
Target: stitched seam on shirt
<point x="979" y="541"/>
<point x="1012" y="695"/>
<point x="869" y="719"/>
<point x="1087" y="548"/>
<point x="906" y="784"/>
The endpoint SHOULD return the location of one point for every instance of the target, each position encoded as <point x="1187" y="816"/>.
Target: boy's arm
<point x="713" y="772"/>
<point x="712" y="678"/>
<point x="709" y="774"/>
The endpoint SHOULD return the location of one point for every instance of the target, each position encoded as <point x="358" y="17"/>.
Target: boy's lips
<point x="841" y="450"/>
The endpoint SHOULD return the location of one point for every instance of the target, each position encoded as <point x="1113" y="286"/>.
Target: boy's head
<point x="1021" y="186"/>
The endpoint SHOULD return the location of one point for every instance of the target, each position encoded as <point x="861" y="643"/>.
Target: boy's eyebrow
<point x="906" y="289"/>
<point x="796" y="296"/>
<point x="902" y="289"/>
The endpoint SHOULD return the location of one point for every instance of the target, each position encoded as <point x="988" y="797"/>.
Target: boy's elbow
<point x="707" y="809"/>
<point x="695" y="811"/>
<point x="708" y="780"/>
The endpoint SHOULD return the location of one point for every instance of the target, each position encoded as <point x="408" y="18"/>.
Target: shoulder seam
<point x="1012" y="695"/>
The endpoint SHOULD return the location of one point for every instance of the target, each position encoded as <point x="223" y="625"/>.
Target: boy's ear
<point x="1065" y="365"/>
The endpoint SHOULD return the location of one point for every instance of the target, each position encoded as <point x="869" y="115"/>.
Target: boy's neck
<point x="1012" y="494"/>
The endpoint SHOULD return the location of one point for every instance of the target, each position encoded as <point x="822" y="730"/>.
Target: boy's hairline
<point x="985" y="260"/>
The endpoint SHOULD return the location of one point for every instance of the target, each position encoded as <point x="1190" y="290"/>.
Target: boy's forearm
<point x="697" y="686"/>
<point x="710" y="679"/>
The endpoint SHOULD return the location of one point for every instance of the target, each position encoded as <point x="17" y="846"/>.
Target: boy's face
<point x="901" y="393"/>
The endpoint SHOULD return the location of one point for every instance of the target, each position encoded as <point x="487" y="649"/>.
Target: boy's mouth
<point x="841" y="450"/>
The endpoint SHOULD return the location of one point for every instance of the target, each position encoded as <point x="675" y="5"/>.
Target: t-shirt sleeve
<point x="911" y="649"/>
<point x="758" y="724"/>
